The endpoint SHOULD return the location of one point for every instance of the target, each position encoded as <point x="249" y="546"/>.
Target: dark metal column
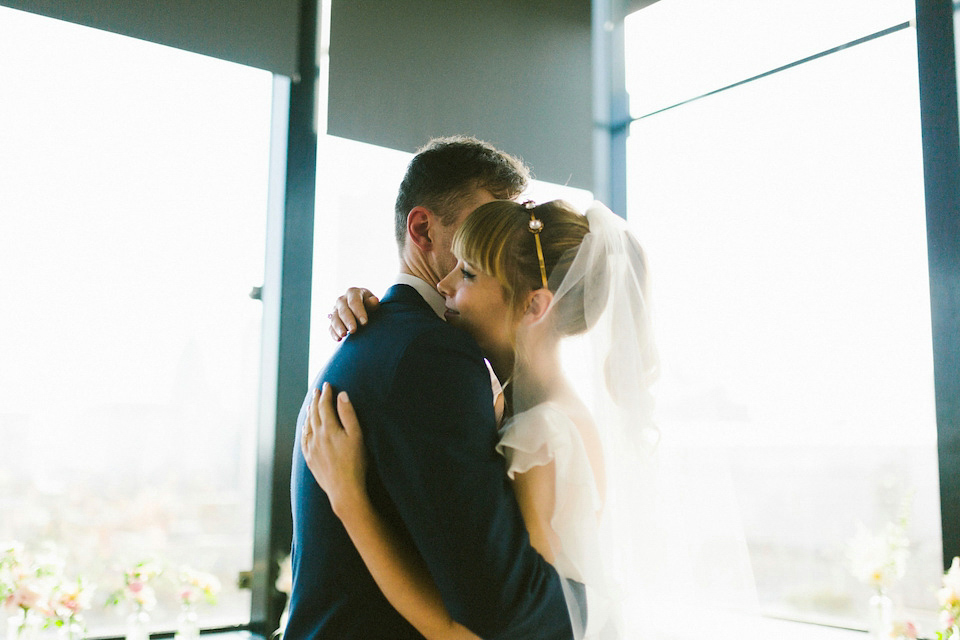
<point x="941" y="174"/>
<point x="286" y="315"/>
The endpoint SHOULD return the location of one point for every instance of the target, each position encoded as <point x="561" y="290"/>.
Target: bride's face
<point x="477" y="303"/>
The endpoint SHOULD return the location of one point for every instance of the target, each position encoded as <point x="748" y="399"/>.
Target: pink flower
<point x="196" y="584"/>
<point x="74" y="602"/>
<point x="146" y="598"/>
<point x="69" y="602"/>
<point x="904" y="630"/>
<point x="25" y="596"/>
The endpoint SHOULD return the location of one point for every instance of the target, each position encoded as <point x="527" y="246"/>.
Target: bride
<point x="558" y="303"/>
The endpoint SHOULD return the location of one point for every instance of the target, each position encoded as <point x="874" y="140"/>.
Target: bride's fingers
<point x="344" y="314"/>
<point x="309" y="426"/>
<point x="337" y="328"/>
<point x="370" y="301"/>
<point x="333" y="333"/>
<point x="355" y="298"/>
<point x="327" y="414"/>
<point x="313" y="413"/>
<point x="348" y="415"/>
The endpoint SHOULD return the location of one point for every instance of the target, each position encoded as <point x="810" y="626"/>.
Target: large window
<point x="784" y="220"/>
<point x="133" y="188"/>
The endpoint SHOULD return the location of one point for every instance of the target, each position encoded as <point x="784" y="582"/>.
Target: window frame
<point x="286" y="298"/>
<point x="936" y="59"/>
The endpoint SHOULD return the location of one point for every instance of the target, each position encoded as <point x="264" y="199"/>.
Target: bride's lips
<point x="449" y="313"/>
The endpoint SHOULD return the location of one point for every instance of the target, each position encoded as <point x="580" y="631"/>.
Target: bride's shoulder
<point x="549" y="412"/>
<point x="535" y="437"/>
<point x="548" y="424"/>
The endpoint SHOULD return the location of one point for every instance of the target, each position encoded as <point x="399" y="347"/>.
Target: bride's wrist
<point x="351" y="505"/>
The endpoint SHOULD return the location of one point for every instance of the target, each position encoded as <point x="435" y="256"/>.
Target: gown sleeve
<point x="542" y="435"/>
<point x="532" y="439"/>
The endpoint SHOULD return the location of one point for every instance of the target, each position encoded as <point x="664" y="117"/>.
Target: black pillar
<point x="286" y="315"/>
<point x="941" y="175"/>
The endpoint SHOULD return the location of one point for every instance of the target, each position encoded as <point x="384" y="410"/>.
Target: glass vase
<point x="138" y="625"/>
<point x="24" y="625"/>
<point x="881" y="616"/>
<point x="187" y="626"/>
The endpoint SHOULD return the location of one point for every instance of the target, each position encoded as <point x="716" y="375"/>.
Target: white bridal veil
<point x="668" y="551"/>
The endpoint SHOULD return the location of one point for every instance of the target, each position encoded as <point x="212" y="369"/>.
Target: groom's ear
<point x="537" y="304"/>
<point x="418" y="227"/>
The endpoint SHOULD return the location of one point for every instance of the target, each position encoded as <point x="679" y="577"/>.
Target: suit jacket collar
<point x="427" y="292"/>
<point x="407" y="295"/>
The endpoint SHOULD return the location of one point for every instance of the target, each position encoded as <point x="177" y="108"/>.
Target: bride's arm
<point x="350" y="311"/>
<point x="335" y="455"/>
<point x="536" y="491"/>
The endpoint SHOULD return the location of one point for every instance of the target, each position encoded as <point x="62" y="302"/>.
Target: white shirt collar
<point x="428" y="292"/>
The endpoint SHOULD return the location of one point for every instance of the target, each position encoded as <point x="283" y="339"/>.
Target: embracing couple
<point x="438" y="497"/>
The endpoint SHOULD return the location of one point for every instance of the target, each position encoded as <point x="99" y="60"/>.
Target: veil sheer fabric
<point x="652" y="532"/>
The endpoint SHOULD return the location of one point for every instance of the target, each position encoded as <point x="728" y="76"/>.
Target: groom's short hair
<point x="446" y="171"/>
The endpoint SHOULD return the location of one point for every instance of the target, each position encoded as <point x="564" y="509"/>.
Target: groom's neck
<point x="415" y="263"/>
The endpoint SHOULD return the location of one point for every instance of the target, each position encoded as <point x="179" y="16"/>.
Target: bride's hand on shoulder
<point x="351" y="311"/>
<point x="332" y="445"/>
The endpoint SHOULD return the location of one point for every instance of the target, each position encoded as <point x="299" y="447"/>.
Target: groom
<point x="423" y="395"/>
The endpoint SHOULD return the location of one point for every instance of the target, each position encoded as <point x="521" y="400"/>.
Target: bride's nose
<point x="445" y="286"/>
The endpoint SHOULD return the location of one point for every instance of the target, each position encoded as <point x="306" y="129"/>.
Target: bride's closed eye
<point x="467" y="275"/>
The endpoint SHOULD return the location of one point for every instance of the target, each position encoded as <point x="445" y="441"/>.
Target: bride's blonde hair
<point x="497" y="239"/>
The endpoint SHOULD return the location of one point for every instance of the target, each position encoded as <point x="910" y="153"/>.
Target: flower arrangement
<point x="137" y="588"/>
<point x="949" y="600"/>
<point x="69" y="601"/>
<point x="879" y="560"/>
<point x="23" y="588"/>
<point x="138" y="591"/>
<point x="35" y="589"/>
<point x="194" y="585"/>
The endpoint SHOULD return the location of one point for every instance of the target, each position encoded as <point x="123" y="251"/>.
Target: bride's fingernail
<point x="344" y="397"/>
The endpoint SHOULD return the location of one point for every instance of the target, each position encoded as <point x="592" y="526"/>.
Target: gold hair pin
<point x="536" y="226"/>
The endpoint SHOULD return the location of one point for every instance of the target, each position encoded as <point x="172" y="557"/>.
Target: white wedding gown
<point x="638" y="586"/>
<point x="545" y="433"/>
<point x="536" y="437"/>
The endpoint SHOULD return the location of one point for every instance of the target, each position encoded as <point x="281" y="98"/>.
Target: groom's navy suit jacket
<point x="423" y="396"/>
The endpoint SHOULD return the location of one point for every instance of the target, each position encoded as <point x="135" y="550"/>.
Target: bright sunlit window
<point x="715" y="44"/>
<point x="133" y="196"/>
<point x="784" y="220"/>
